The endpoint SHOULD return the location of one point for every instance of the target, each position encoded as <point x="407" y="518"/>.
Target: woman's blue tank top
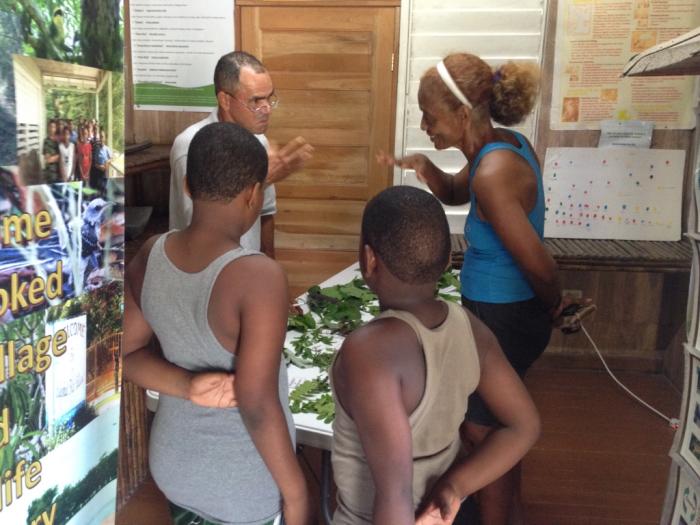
<point x="490" y="274"/>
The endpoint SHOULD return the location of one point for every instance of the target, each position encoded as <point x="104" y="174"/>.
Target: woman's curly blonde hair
<point x="507" y="94"/>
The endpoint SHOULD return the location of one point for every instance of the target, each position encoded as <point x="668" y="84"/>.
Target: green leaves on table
<point x="333" y="313"/>
<point x="313" y="396"/>
<point x="301" y="322"/>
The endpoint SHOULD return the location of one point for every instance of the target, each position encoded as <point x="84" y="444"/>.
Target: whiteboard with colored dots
<point x="613" y="193"/>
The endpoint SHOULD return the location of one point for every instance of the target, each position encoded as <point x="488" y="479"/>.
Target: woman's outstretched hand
<point x="418" y="163"/>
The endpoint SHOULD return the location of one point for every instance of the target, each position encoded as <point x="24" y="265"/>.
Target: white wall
<point x="430" y="29"/>
<point x="29" y="96"/>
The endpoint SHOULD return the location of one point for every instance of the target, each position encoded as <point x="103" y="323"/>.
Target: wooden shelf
<point x="607" y="255"/>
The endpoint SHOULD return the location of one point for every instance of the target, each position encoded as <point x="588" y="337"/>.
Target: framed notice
<point x="686" y="445"/>
<point x="594" y="41"/>
<point x="174" y="49"/>
<point x="682" y="505"/>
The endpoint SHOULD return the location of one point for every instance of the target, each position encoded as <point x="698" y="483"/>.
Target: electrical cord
<point x="672" y="421"/>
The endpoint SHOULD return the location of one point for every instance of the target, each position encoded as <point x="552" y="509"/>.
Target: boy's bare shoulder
<point x="378" y="340"/>
<point x="141" y="257"/>
<point x="254" y="272"/>
<point x="136" y="269"/>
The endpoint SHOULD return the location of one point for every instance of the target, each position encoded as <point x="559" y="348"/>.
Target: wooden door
<point x="334" y="74"/>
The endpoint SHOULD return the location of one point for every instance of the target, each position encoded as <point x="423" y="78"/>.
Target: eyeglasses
<point x="258" y="104"/>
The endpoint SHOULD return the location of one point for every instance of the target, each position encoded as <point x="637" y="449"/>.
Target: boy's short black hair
<point x="222" y="160"/>
<point x="407" y="229"/>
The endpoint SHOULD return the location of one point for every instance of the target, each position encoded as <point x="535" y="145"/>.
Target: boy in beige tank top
<point x="402" y="381"/>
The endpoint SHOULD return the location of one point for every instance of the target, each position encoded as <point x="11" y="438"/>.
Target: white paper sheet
<point x="613" y="193"/>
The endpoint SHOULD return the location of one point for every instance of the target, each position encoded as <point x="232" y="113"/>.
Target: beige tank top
<point x="452" y="374"/>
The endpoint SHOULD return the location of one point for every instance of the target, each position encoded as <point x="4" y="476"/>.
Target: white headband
<point x="451" y="85"/>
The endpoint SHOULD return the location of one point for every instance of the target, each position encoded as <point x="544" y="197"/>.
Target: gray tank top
<point x="203" y="459"/>
<point x="451" y="375"/>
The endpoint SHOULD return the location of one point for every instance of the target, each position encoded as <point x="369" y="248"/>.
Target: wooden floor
<point x="602" y="458"/>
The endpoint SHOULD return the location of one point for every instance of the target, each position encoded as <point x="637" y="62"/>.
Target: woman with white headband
<point x="509" y="280"/>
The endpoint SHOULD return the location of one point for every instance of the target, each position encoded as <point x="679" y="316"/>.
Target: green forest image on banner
<point x="61" y="260"/>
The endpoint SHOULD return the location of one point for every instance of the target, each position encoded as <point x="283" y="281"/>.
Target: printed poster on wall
<point x="174" y="49"/>
<point x="613" y="193"/>
<point x="594" y="40"/>
<point x="61" y="261"/>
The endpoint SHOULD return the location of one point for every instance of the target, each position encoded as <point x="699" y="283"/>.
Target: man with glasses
<point x="246" y="96"/>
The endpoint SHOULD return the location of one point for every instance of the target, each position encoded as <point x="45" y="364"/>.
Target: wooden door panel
<point x="335" y="172"/>
<point x="319" y="216"/>
<point x="339" y="81"/>
<point x="319" y="137"/>
<point x="316" y="241"/>
<point x="328" y="43"/>
<point x="319" y="18"/>
<point x="332" y="70"/>
<point x="320" y="109"/>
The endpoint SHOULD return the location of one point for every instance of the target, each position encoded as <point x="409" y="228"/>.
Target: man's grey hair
<point x="228" y="70"/>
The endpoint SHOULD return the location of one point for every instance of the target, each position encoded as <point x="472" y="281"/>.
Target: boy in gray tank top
<point x="216" y="309"/>
<point x="401" y="382"/>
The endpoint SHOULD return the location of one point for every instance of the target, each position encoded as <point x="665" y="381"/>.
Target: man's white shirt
<point x="180" y="202"/>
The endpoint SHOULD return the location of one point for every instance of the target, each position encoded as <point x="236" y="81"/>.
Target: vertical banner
<point x="61" y="260"/>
